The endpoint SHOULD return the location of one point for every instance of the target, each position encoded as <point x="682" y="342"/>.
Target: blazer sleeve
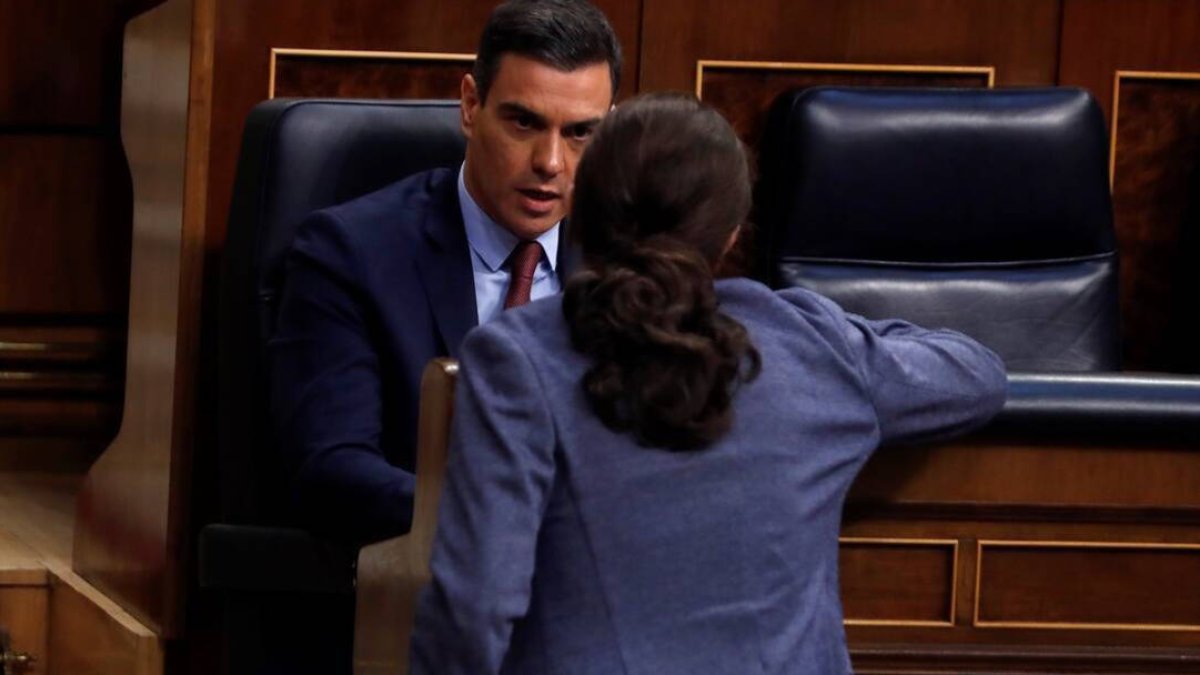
<point x="326" y="394"/>
<point x="501" y="470"/>
<point x="925" y="384"/>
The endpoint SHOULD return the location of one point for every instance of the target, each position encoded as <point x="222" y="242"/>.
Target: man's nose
<point x="548" y="155"/>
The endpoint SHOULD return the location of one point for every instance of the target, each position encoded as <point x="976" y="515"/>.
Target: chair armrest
<point x="1101" y="407"/>
<point x="272" y="559"/>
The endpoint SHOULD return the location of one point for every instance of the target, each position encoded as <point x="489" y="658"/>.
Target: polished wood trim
<point x="87" y="631"/>
<point x="131" y="535"/>
<point x="989" y="71"/>
<point x="915" y="542"/>
<point x="1062" y="625"/>
<point x="1182" y="76"/>
<point x="928" y="659"/>
<point x="277" y="52"/>
<point x="89" y="634"/>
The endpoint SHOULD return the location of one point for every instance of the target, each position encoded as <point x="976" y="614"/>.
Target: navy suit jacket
<point x="564" y="547"/>
<point x="375" y="288"/>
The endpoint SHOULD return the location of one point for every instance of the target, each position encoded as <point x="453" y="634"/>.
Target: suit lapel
<point x="445" y="269"/>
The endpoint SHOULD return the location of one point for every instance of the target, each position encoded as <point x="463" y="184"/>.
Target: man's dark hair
<point x="563" y="34"/>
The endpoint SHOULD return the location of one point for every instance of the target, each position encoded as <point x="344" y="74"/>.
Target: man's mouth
<point x="538" y="203"/>
<point x="539" y="195"/>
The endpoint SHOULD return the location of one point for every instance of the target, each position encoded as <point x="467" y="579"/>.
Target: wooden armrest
<point x="392" y="573"/>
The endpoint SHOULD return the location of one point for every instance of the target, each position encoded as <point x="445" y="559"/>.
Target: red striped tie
<point x="521" y="265"/>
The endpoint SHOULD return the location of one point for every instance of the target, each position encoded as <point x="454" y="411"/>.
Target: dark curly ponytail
<point x="659" y="195"/>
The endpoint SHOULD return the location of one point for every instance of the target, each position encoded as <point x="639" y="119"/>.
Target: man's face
<point x="523" y="144"/>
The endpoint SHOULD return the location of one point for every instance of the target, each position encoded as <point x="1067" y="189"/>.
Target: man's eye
<point x="580" y="133"/>
<point x="523" y="121"/>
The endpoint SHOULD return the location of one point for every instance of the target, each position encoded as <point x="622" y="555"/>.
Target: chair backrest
<point x="392" y="573"/>
<point x="297" y="156"/>
<point x="986" y="211"/>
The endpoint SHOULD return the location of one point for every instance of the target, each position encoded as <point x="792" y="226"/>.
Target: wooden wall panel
<point x="345" y="74"/>
<point x="898" y="582"/>
<point x="1018" y="37"/>
<point x="1156" y="204"/>
<point x="64" y="224"/>
<point x="53" y="65"/>
<point x="1155" y="181"/>
<point x="60" y="252"/>
<point x="1088" y="585"/>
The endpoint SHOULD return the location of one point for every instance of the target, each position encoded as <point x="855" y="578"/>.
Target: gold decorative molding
<point x="1065" y="625"/>
<point x="702" y="64"/>
<point x="1182" y="76"/>
<point x="952" y="544"/>
<point x="276" y="52"/>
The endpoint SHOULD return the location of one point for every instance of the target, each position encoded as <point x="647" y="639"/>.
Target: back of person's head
<point x="564" y="34"/>
<point x="659" y="196"/>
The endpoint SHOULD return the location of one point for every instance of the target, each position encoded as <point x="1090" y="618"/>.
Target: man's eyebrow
<point x="586" y="124"/>
<point x="510" y="109"/>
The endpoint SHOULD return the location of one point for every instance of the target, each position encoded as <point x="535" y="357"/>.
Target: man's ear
<point x="469" y="105"/>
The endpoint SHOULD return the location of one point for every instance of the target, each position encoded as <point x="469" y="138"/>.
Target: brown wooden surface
<point x="1100" y="37"/>
<point x="81" y="630"/>
<point x="85" y="638"/>
<point x="1032" y="477"/>
<point x="1018" y="37"/>
<point x="129" y="520"/>
<point x="64" y="209"/>
<point x="58" y="197"/>
<point x="23" y="600"/>
<point x="23" y="613"/>
<point x="59" y="62"/>
<point x="391" y="574"/>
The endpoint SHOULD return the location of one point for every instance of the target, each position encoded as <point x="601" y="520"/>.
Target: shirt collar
<point x="491" y="242"/>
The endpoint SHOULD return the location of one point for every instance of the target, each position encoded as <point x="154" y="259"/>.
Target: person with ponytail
<point x="647" y="473"/>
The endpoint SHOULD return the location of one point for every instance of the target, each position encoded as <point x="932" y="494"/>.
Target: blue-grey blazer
<point x="564" y="547"/>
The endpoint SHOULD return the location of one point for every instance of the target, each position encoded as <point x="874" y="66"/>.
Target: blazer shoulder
<point x="396" y="212"/>
<point x="753" y="301"/>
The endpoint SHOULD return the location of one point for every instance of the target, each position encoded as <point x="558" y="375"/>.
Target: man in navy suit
<point x="380" y="285"/>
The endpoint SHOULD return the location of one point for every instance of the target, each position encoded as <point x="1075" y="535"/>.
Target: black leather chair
<point x="288" y="596"/>
<point x="987" y="211"/>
